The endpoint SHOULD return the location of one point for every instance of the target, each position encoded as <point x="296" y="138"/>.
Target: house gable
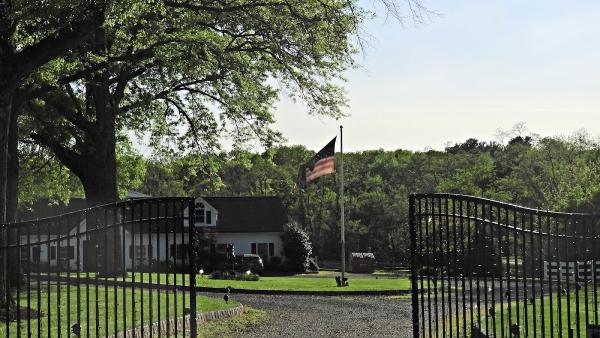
<point x="205" y="214"/>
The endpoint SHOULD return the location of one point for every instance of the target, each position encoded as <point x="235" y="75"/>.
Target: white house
<point x="158" y="233"/>
<point x="252" y="224"/>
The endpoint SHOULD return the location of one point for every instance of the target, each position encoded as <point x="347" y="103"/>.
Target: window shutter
<point x="208" y="217"/>
<point x="271" y="249"/>
<point x="253" y="248"/>
<point x="71" y="252"/>
<point x="52" y="252"/>
<point x="131" y="251"/>
<point x="150" y="253"/>
<point x="181" y="251"/>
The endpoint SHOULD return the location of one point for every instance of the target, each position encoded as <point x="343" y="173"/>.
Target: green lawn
<point x="495" y="323"/>
<point x="290" y="283"/>
<point x="311" y="284"/>
<point x="97" y="317"/>
<point x="303" y="282"/>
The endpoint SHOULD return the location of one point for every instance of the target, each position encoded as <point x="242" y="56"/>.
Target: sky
<point x="476" y="67"/>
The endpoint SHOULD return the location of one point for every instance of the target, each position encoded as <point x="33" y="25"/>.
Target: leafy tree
<point x="31" y="35"/>
<point x="43" y="177"/>
<point x="190" y="175"/>
<point x="189" y="72"/>
<point x="297" y="248"/>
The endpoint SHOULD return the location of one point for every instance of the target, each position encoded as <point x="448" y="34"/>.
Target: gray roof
<point x="236" y="214"/>
<point x="249" y="214"/>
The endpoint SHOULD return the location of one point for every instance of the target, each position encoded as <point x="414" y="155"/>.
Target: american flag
<point x="319" y="165"/>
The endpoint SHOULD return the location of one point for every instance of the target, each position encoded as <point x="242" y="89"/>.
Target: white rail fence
<point x="572" y="271"/>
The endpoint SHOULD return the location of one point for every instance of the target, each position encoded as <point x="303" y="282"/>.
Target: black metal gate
<point x="482" y="268"/>
<point x="125" y="269"/>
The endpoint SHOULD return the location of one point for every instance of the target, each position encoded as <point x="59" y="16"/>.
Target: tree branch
<point x="68" y="157"/>
<point x="224" y="9"/>
<point x="189" y="120"/>
<point x="32" y="57"/>
<point x="72" y="115"/>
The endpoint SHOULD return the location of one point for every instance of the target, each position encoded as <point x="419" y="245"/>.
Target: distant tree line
<point x="556" y="173"/>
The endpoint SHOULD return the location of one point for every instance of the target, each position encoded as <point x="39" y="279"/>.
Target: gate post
<point x="413" y="265"/>
<point x="192" y="251"/>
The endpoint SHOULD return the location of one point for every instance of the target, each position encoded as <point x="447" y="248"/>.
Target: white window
<point x="202" y="214"/>
<point x="199" y="212"/>
<point x="264" y="250"/>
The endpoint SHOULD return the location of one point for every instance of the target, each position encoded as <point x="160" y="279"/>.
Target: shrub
<point x="482" y="258"/>
<point x="217" y="261"/>
<point x="296" y="248"/>
<point x="247" y="277"/>
<point x="274" y="263"/>
<point x="227" y="275"/>
<point x="230" y="275"/>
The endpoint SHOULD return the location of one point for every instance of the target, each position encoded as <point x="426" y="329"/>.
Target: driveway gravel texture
<point x="330" y="316"/>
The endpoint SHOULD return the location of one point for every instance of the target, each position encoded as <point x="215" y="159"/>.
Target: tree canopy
<point x="186" y="74"/>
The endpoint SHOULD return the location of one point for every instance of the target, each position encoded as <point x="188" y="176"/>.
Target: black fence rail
<point x="105" y="271"/>
<point x="482" y="268"/>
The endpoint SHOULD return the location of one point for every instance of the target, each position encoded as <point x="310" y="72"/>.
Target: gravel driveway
<point x="327" y="316"/>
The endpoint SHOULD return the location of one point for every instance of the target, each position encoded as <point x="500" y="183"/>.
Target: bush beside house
<point x="297" y="248"/>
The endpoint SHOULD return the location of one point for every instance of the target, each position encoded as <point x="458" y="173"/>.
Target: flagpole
<point x="342" y="202"/>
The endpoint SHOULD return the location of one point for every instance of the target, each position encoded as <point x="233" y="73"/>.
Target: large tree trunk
<point x="5" y="117"/>
<point x="99" y="174"/>
<point x="12" y="190"/>
<point x="9" y="275"/>
<point x="5" y="112"/>
<point x="99" y="179"/>
<point x="14" y="66"/>
<point x="7" y="89"/>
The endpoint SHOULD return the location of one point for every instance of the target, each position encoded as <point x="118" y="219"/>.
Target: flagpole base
<point x="341" y="281"/>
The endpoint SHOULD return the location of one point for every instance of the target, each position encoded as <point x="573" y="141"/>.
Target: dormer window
<point x="199" y="212"/>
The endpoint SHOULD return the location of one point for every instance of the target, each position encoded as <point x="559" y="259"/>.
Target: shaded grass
<point x="96" y="313"/>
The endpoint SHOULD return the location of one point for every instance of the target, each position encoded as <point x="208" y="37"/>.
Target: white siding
<point x="242" y="241"/>
<point x="45" y="250"/>
<point x="160" y="252"/>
